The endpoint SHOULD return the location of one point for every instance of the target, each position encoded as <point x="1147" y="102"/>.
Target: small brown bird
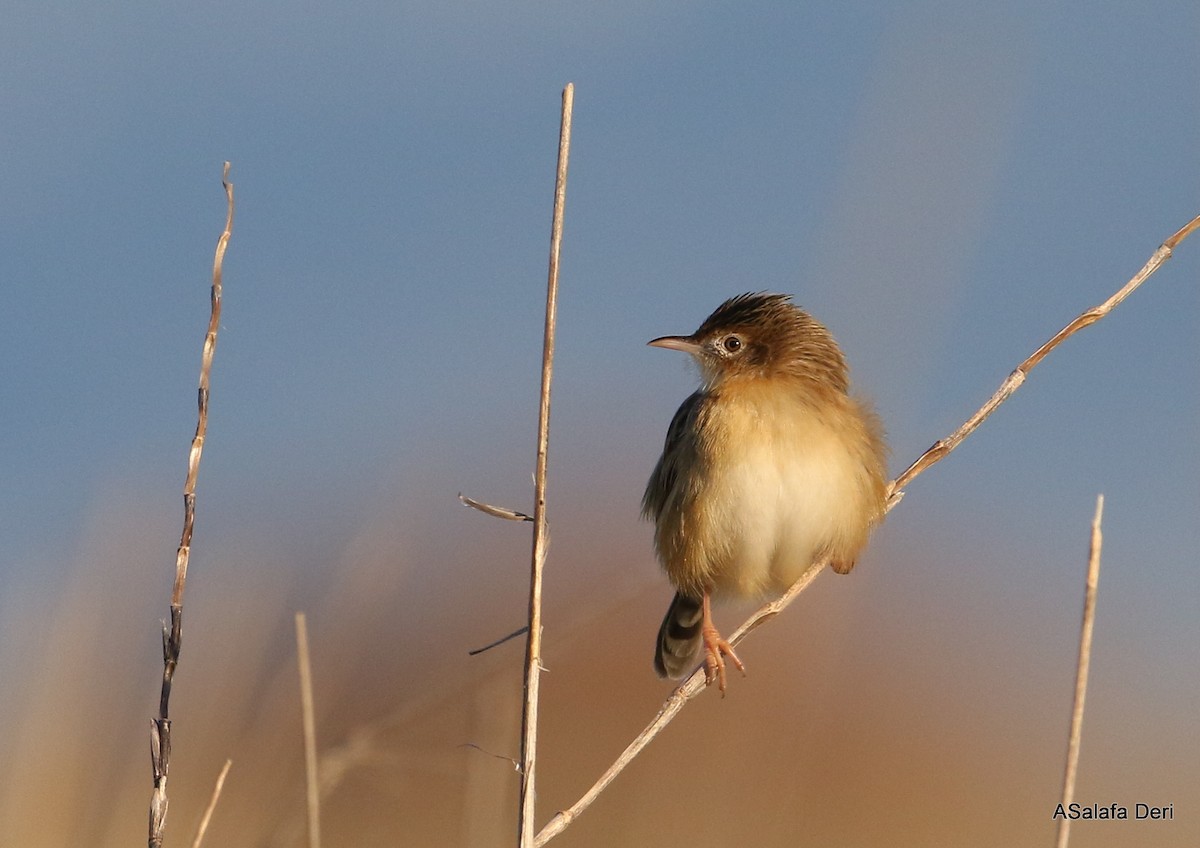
<point x="768" y="469"/>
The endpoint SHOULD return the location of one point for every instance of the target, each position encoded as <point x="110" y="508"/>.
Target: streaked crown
<point x="763" y="335"/>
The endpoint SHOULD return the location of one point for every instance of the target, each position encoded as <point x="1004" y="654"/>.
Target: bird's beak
<point x="685" y="343"/>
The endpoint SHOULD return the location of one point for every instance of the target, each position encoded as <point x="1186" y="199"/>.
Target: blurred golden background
<point x="875" y="712"/>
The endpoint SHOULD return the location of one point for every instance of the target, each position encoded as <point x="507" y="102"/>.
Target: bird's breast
<point x="782" y="484"/>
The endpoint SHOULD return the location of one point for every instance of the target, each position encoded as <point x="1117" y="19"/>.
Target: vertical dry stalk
<point x="160" y="731"/>
<point x="202" y="828"/>
<point x="533" y="645"/>
<point x="1081" y="673"/>
<point x="939" y="451"/>
<point x="312" y="786"/>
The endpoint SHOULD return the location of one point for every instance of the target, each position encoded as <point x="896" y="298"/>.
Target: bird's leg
<point x="715" y="650"/>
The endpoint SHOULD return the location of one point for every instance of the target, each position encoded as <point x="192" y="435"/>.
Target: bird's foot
<point x="715" y="651"/>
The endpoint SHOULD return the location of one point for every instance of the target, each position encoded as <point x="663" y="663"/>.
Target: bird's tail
<point x="679" y="637"/>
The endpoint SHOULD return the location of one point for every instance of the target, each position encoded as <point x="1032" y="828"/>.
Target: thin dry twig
<point x="533" y="645"/>
<point x="695" y="683"/>
<point x="312" y="785"/>
<point x="202" y="828"/>
<point x="515" y="764"/>
<point x="497" y="511"/>
<point x="1081" y="673"/>
<point x="172" y="637"/>
<point x="520" y="631"/>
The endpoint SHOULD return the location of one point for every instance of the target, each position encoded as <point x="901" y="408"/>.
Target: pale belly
<point x="788" y="494"/>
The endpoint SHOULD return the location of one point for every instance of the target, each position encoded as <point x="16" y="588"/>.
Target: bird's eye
<point x="732" y="344"/>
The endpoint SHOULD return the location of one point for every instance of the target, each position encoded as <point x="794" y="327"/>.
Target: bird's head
<point x="763" y="336"/>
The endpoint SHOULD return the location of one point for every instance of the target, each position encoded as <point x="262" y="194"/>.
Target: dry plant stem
<point x="695" y="683"/>
<point x="1014" y="380"/>
<point x="202" y="828"/>
<point x="685" y="692"/>
<point x="533" y="649"/>
<point x="1081" y="672"/>
<point x="312" y="786"/>
<point x="160" y="731"/>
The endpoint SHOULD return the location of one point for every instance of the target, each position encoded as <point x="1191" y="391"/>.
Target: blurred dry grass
<point x="872" y="715"/>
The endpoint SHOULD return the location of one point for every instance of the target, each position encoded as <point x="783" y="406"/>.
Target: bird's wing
<point x="680" y="438"/>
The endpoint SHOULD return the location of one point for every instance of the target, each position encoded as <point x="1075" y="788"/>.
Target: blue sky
<point x="944" y="184"/>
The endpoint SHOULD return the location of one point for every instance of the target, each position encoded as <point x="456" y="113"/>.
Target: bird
<point x="769" y="469"/>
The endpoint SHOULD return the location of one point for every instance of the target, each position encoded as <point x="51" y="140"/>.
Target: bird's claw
<point x="715" y="651"/>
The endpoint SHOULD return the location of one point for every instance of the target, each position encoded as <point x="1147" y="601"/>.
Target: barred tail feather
<point x="679" y="637"/>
